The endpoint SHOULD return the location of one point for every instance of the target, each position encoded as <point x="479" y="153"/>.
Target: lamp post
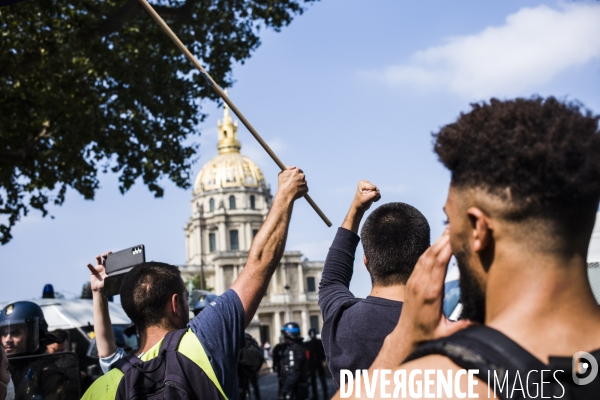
<point x="285" y="302"/>
<point x="200" y="210"/>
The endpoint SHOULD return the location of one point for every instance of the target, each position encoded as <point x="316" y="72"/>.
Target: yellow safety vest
<point x="105" y="387"/>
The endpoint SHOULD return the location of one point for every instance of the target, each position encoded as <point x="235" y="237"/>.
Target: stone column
<point x="300" y="279"/>
<point x="222" y="245"/>
<point x="276" y="328"/>
<point x="242" y="238"/>
<point x="235" y="272"/>
<point x="274" y="281"/>
<point x="219" y="279"/>
<point x="248" y="232"/>
<point x="304" y="326"/>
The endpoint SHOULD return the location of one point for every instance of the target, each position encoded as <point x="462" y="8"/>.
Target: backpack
<point x="170" y="375"/>
<point x="500" y="360"/>
<point x="251" y="357"/>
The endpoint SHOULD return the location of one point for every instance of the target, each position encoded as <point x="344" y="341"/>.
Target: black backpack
<point x="251" y="357"/>
<point x="495" y="355"/>
<point x="170" y="375"/>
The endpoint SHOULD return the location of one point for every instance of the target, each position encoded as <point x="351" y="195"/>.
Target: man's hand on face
<point x="292" y="184"/>
<point x="422" y="318"/>
<point x="98" y="273"/>
<point x="366" y="194"/>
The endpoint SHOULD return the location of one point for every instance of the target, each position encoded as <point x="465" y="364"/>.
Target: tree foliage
<point x="95" y="85"/>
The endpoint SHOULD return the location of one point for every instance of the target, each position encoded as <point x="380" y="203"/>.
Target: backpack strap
<point x="480" y="347"/>
<point x="172" y="339"/>
<point x="485" y="349"/>
<point x="126" y="363"/>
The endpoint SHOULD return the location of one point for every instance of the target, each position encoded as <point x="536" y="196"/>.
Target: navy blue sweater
<point x="353" y="329"/>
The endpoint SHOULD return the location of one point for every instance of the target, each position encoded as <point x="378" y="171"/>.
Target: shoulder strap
<point x="126" y="363"/>
<point x="483" y="348"/>
<point x="172" y="339"/>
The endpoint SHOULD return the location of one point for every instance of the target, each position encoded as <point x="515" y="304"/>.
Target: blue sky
<point x="350" y="90"/>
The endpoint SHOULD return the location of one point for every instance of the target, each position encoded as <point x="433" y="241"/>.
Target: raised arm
<point x="421" y="320"/>
<point x="105" y="336"/>
<point x="268" y="245"/>
<point x="335" y="281"/>
<point x="366" y="194"/>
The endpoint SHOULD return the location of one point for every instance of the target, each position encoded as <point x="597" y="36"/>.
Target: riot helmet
<point x="22" y="324"/>
<point x="203" y="301"/>
<point x="291" y="330"/>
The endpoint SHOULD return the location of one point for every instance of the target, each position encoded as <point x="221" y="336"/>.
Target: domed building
<point x="231" y="199"/>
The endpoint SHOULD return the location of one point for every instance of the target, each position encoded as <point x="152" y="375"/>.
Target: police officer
<point x="277" y="355"/>
<point x="315" y="364"/>
<point x="24" y="332"/>
<point x="293" y="364"/>
<point x="203" y="301"/>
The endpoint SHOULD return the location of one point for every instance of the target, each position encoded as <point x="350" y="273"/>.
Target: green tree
<point x="95" y="85"/>
<point x="196" y="283"/>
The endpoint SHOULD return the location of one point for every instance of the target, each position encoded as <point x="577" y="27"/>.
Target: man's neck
<point x="542" y="301"/>
<point x="150" y="337"/>
<point x="394" y="292"/>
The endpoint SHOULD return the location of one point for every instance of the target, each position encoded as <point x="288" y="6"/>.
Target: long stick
<point x="221" y="93"/>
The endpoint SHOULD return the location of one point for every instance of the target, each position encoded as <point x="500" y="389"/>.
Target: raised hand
<point x="292" y="184"/>
<point x="422" y="310"/>
<point x="366" y="194"/>
<point x="98" y="273"/>
<point x="422" y="316"/>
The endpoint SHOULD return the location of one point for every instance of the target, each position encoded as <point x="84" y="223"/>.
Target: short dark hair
<point x="394" y="236"/>
<point x="540" y="156"/>
<point x="146" y="290"/>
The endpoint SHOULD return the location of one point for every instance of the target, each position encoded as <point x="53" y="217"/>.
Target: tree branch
<point x="115" y="23"/>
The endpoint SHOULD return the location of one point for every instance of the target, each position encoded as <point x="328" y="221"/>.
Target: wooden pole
<point x="225" y="98"/>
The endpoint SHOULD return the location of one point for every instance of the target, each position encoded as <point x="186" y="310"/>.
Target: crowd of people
<point x="521" y="205"/>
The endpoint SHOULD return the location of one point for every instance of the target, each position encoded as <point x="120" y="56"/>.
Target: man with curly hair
<point x="521" y="207"/>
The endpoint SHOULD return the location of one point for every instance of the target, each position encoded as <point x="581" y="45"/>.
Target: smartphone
<point x="118" y="264"/>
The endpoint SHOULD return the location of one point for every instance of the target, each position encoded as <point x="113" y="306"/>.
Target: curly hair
<point x="394" y="236"/>
<point x="540" y="156"/>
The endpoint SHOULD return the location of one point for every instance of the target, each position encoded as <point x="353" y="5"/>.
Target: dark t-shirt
<point x="220" y="328"/>
<point x="353" y="329"/>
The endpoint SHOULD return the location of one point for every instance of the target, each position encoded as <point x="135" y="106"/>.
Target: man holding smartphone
<point x="154" y="296"/>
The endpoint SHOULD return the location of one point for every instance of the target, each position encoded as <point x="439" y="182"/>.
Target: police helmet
<point x="23" y="328"/>
<point x="312" y="332"/>
<point x="203" y="301"/>
<point x="291" y="330"/>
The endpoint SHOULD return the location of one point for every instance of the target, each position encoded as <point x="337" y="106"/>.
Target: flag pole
<point x="225" y="98"/>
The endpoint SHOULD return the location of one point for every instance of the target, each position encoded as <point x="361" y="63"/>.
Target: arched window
<point x="232" y="202"/>
<point x="211" y="205"/>
<point x="252" y="203"/>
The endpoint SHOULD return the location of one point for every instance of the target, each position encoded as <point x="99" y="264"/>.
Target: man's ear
<point x="480" y="229"/>
<point x="365" y="261"/>
<point x="175" y="304"/>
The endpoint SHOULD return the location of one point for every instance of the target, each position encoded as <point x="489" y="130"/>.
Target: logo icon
<point x="582" y="363"/>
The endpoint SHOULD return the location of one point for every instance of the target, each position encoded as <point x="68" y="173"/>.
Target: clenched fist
<point x="366" y="194"/>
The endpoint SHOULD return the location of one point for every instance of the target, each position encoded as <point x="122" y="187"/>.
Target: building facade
<point x="231" y="199"/>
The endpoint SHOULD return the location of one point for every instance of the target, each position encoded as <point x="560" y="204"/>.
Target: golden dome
<point x="229" y="168"/>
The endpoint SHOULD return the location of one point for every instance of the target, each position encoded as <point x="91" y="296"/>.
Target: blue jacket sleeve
<point x="334" y="289"/>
